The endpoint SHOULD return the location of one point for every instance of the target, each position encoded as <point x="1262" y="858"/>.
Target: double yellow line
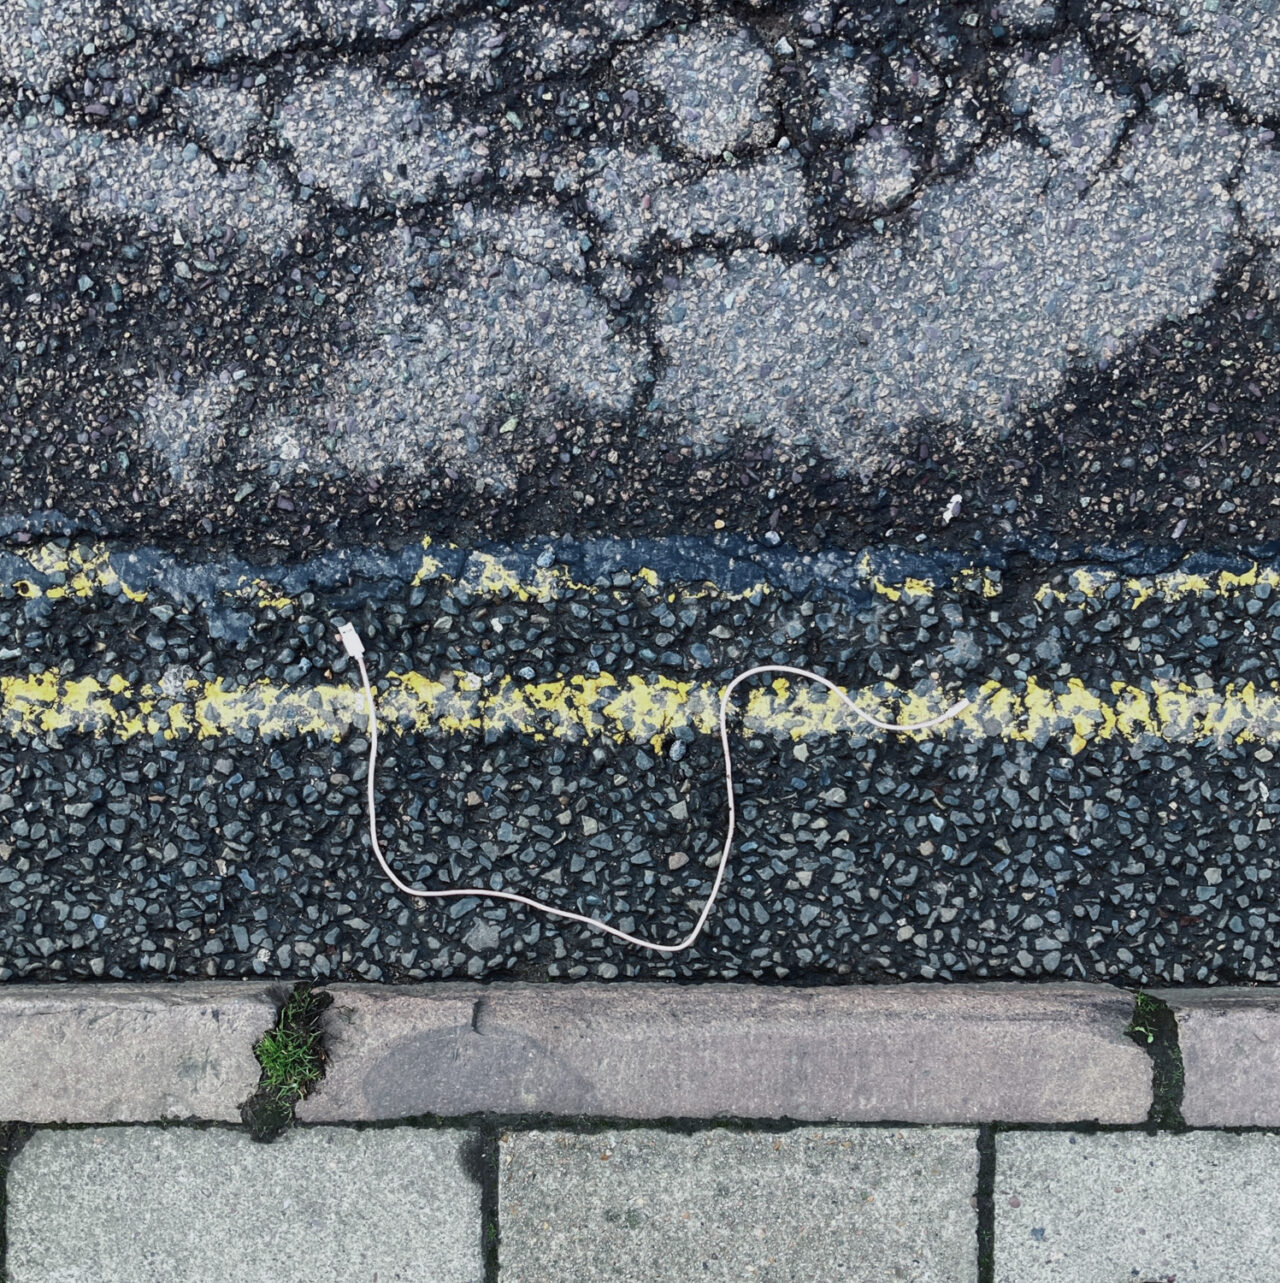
<point x="646" y="709"/>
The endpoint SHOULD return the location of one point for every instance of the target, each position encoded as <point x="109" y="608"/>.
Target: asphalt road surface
<point x="182" y="761"/>
<point x="584" y="354"/>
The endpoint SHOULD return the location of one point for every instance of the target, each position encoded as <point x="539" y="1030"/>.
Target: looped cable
<point x="356" y="650"/>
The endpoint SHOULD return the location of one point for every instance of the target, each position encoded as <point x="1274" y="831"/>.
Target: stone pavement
<point x="483" y="1133"/>
<point x="442" y="1204"/>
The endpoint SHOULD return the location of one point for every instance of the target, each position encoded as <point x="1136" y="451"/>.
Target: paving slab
<point x="190" y="1205"/>
<point x="645" y="1206"/>
<point x="1198" y="1207"/>
<point x="1230" y="1042"/>
<point x="130" y="1052"/>
<point x="909" y="1053"/>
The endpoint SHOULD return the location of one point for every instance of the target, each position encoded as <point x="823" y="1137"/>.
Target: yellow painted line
<point x="915" y="590"/>
<point x="57" y="572"/>
<point x="632" y="709"/>
<point x="1172" y="586"/>
<point x="488" y="576"/>
<point x="80" y="573"/>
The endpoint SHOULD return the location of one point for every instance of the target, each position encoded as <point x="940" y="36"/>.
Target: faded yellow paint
<point x="486" y="575"/>
<point x="265" y="594"/>
<point x="911" y="589"/>
<point x="421" y="703"/>
<point x="707" y="589"/>
<point x="428" y="568"/>
<point x="1171" y="586"/>
<point x="922" y="589"/>
<point x="649" y="710"/>
<point x="79" y="574"/>
<point x="637" y="709"/>
<point x="271" y="711"/>
<point x="1133" y="711"/>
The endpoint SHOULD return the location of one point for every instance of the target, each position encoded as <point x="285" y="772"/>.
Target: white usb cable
<point x="355" y="648"/>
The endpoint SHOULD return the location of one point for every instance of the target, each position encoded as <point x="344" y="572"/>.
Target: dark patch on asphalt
<point x="1183" y="435"/>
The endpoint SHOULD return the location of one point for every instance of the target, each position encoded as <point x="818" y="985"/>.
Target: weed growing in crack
<point x="1145" y="1014"/>
<point x="1154" y="1028"/>
<point x="292" y="1060"/>
<point x="290" y="1055"/>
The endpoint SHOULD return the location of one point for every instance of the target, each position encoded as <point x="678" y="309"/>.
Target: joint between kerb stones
<point x="1154" y="1027"/>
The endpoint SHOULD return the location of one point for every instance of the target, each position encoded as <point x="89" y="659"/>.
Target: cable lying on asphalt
<point x="355" y="648"/>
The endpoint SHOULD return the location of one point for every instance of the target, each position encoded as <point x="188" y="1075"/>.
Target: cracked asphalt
<point x="585" y="354"/>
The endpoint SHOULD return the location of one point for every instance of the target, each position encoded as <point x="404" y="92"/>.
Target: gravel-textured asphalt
<point x="1015" y="845"/>
<point x="285" y="277"/>
<point x="286" y="288"/>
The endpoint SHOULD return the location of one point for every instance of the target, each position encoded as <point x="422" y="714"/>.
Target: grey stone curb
<point x="902" y="1053"/>
<point x="130" y="1052"/>
<point x="909" y="1053"/>
<point x="1230" y="1042"/>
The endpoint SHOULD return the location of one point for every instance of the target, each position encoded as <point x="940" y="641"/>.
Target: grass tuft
<point x="292" y="1060"/>
<point x="1146" y="1014"/>
<point x="291" y="1055"/>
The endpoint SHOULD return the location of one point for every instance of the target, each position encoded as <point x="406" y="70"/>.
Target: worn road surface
<point x="584" y="354"/>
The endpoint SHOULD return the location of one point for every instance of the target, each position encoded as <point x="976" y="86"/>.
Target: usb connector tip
<point x="350" y="640"/>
